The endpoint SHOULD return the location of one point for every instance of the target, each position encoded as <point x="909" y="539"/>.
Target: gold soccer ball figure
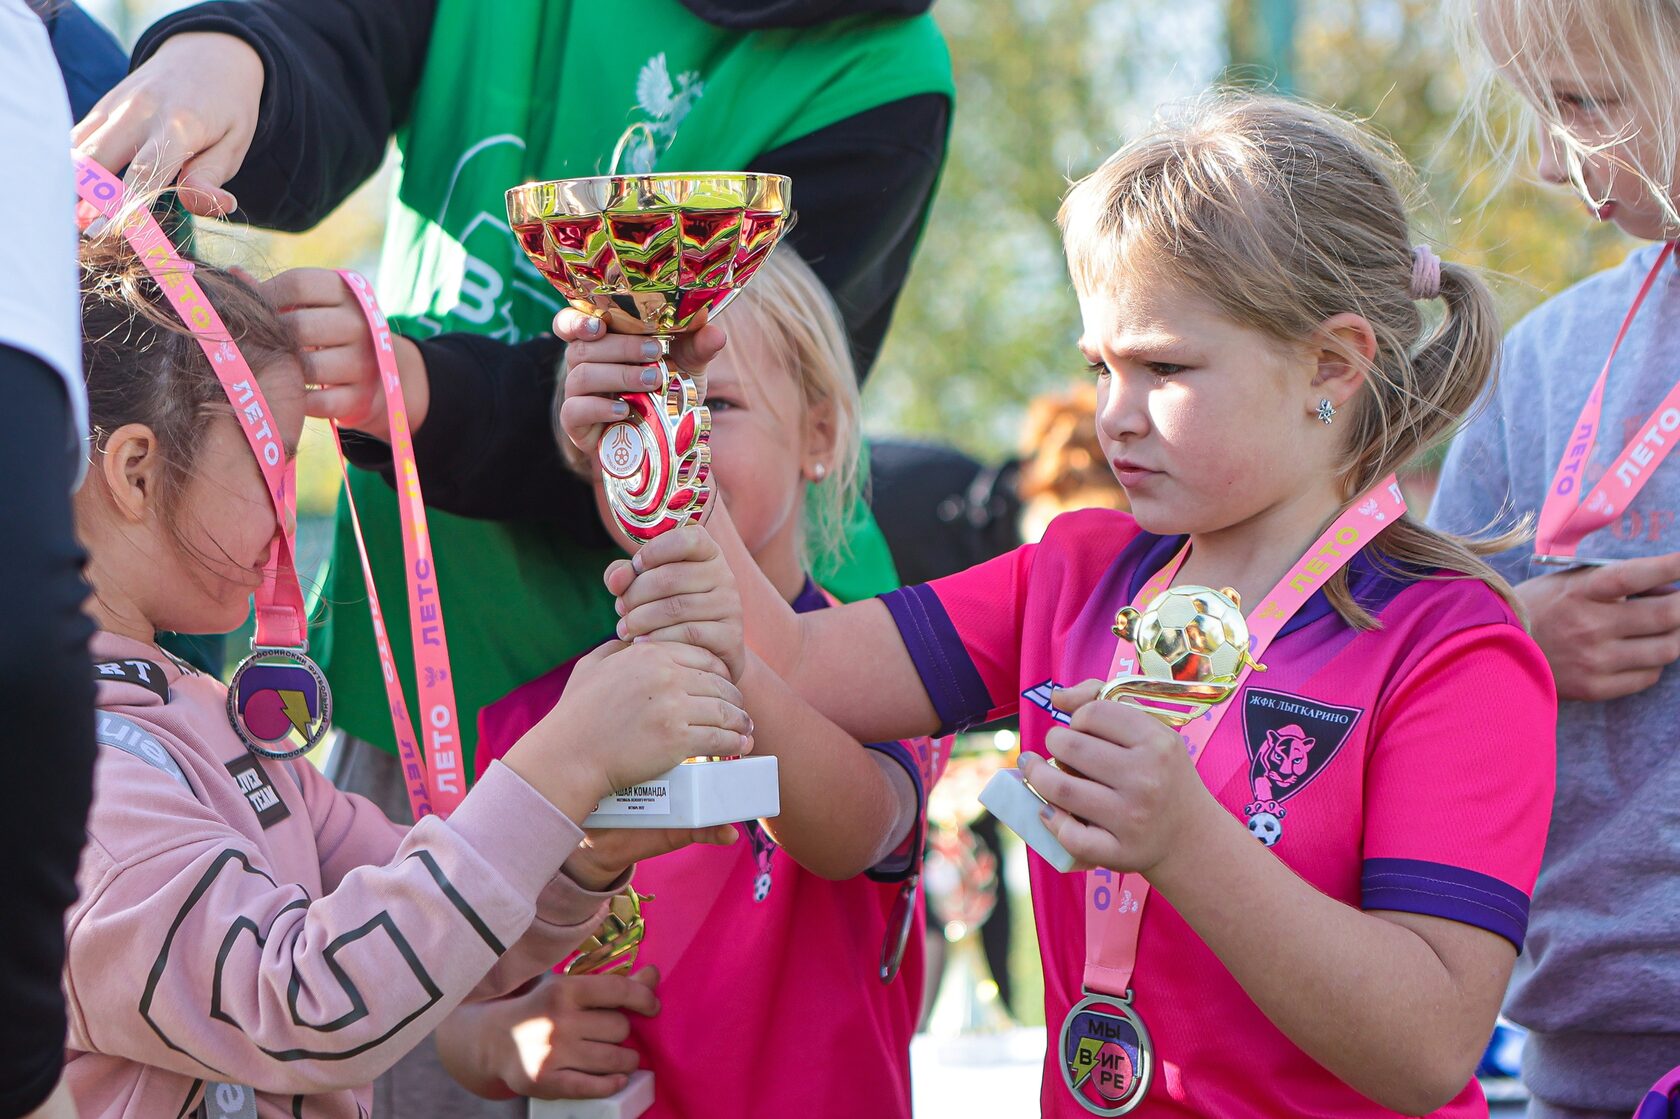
<point x="1188" y="633"/>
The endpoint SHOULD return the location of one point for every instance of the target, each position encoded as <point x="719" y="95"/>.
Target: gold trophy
<point x="1192" y="645"/>
<point x="611" y="950"/>
<point x="660" y="255"/>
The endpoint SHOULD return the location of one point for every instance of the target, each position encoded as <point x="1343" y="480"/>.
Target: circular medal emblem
<point x="622" y="449"/>
<point x="1107" y="1059"/>
<point x="279" y="703"/>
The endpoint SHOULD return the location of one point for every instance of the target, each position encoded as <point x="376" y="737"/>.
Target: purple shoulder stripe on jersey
<point x="1438" y="890"/>
<point x="953" y="683"/>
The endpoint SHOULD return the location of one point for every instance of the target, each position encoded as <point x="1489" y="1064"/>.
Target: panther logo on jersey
<point x="1290" y="741"/>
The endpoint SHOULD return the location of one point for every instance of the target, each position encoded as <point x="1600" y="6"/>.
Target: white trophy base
<point x="626" y="1103"/>
<point x="695" y="795"/>
<point x="1012" y="801"/>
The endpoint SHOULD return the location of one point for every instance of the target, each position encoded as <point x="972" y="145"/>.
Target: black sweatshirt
<point x="48" y="751"/>
<point x="339" y="76"/>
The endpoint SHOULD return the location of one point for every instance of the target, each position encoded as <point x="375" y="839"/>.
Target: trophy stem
<point x="656" y="465"/>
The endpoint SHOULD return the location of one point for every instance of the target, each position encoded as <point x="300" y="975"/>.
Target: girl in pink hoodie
<point x="248" y="940"/>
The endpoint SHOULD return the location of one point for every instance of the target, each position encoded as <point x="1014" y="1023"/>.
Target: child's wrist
<point x="573" y="788"/>
<point x="591" y="873"/>
<point x="1206" y="829"/>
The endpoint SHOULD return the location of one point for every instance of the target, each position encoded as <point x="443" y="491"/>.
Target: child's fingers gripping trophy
<point x="629" y="713"/>
<point x="679" y="587"/>
<point x="1123" y="790"/>
<point x="606" y="853"/>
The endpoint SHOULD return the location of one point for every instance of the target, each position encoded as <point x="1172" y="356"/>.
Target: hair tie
<point x="1426" y="273"/>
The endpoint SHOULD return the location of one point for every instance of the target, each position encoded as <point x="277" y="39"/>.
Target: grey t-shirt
<point x="1599" y="979"/>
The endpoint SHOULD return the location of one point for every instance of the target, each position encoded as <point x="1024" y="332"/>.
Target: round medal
<point x="1107" y="1059"/>
<point x="279" y="703"/>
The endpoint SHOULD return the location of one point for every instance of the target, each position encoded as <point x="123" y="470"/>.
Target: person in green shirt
<point x="276" y="110"/>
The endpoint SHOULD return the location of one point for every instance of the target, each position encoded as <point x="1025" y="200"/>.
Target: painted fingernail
<point x="650" y="350"/>
<point x="1046" y="813"/>
<point x="650" y="376"/>
<point x="592" y="326"/>
<point x="620" y="408"/>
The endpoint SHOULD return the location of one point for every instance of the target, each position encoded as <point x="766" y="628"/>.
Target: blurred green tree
<point x="1047" y="89"/>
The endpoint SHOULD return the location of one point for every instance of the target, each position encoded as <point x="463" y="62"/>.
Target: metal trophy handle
<point x="655" y="465"/>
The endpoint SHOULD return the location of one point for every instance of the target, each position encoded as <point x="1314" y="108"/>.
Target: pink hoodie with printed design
<point x="261" y="928"/>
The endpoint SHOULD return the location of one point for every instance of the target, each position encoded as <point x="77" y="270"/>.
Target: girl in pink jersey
<point x="1316" y="915"/>
<point x="785" y="933"/>
<point x="249" y="941"/>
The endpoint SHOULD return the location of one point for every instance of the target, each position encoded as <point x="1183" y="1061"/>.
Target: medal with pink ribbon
<point x="1106" y="1055"/>
<point x="279" y="702"/>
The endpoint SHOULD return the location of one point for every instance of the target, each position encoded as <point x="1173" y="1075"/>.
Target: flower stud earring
<point x="1326" y="411"/>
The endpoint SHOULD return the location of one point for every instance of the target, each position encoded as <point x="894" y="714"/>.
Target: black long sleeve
<point x="487" y="448"/>
<point x="861" y="186"/>
<point x="338" y="78"/>
<point x="49" y="735"/>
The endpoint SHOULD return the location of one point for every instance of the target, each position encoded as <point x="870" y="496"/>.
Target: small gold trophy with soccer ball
<point x="1192" y="645"/>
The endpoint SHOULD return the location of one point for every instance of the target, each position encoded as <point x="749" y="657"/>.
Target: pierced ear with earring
<point x="1326" y="411"/>
<point x="817" y="471"/>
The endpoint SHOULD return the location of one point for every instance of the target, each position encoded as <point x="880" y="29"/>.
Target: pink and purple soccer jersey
<point x="1413" y="764"/>
<point x="771" y="1005"/>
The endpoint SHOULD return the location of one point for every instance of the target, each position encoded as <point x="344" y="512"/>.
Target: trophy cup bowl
<point x="1192" y="647"/>
<point x="660" y="255"/>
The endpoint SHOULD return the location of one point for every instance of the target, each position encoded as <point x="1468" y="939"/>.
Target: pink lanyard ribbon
<point x="439" y="786"/>
<point x="281" y="620"/>
<point x="1113" y="924"/>
<point x="1566" y="519"/>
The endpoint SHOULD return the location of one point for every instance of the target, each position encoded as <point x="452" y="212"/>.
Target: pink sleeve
<point x="352" y="832"/>
<point x="1459" y="782"/>
<point x="963" y="633"/>
<point x="504" y="722"/>
<point x="187" y="951"/>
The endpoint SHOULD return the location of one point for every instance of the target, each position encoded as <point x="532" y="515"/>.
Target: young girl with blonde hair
<point x="1577" y="441"/>
<point x="1313" y="911"/>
